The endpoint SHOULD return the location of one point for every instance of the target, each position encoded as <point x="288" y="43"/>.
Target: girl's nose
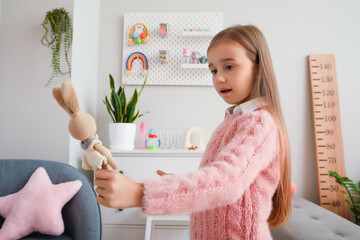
<point x="219" y="78"/>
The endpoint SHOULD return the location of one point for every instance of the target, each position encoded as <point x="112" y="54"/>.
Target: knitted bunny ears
<point x="82" y="126"/>
<point x="67" y="98"/>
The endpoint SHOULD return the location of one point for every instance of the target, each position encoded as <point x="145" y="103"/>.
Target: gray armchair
<point x="81" y="214"/>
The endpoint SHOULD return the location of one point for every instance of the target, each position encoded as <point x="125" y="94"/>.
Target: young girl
<point x="242" y="186"/>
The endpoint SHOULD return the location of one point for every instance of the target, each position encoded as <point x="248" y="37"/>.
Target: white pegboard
<point x="170" y="73"/>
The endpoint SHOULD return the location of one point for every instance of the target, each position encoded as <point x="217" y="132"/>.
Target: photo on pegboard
<point x="169" y="47"/>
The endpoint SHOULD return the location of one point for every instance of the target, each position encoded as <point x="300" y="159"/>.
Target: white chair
<point x="151" y="221"/>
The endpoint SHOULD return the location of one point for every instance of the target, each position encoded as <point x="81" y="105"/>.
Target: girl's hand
<point x="115" y="190"/>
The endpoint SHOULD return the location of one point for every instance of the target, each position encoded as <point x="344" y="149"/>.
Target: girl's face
<point x="233" y="72"/>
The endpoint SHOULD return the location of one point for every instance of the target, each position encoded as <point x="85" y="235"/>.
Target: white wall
<point x="293" y="29"/>
<point x="32" y="125"/>
<point x="85" y="63"/>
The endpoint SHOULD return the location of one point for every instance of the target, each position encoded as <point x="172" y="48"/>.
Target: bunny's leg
<point x="85" y="164"/>
<point x="105" y="152"/>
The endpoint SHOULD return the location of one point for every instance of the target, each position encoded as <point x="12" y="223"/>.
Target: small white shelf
<point x="194" y="65"/>
<point x="197" y="34"/>
<point x="160" y="152"/>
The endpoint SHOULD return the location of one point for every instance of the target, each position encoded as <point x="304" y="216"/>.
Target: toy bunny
<point x="82" y="126"/>
<point x="195" y="55"/>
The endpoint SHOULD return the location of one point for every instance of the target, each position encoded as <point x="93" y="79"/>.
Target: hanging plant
<point x="58" y="34"/>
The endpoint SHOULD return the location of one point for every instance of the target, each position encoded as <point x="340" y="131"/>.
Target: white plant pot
<point x="122" y="135"/>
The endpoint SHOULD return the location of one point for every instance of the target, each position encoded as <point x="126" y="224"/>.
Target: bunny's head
<point x="82" y="126"/>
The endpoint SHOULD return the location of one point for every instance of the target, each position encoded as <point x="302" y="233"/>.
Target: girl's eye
<point x="228" y="67"/>
<point x="214" y="71"/>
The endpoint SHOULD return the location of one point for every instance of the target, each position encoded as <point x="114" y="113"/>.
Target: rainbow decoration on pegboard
<point x="134" y="56"/>
<point x="137" y="34"/>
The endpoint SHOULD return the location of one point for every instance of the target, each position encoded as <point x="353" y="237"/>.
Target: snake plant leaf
<point x="107" y="103"/>
<point x="112" y="83"/>
<point x="122" y="98"/>
<point x="116" y="103"/>
<point x="109" y="109"/>
<point x="130" y="108"/>
<point x="142" y="88"/>
<point x="136" y="116"/>
<point x="143" y="114"/>
<point x="119" y="90"/>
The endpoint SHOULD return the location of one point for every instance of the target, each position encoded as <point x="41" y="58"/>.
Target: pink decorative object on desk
<point x="143" y="136"/>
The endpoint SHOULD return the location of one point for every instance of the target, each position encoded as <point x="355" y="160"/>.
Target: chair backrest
<point x="81" y="214"/>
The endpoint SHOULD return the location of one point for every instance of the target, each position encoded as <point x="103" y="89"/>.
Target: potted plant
<point x="352" y="192"/>
<point x="58" y="34"/>
<point x="122" y="112"/>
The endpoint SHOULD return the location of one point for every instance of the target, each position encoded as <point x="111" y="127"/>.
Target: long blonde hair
<point x="251" y="38"/>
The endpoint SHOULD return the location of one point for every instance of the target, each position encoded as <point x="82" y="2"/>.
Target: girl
<point x="242" y="186"/>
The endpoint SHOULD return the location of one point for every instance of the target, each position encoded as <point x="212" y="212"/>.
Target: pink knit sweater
<point x="230" y="195"/>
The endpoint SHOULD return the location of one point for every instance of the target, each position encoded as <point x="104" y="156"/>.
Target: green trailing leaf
<point x="58" y="34"/>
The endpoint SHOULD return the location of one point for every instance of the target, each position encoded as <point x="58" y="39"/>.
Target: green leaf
<point x="349" y="202"/>
<point x="136" y="117"/>
<point x="109" y="109"/>
<point x="335" y="175"/>
<point x="123" y="102"/>
<point x="119" y="90"/>
<point x="112" y="83"/>
<point x="142" y="88"/>
<point x="116" y="104"/>
<point x="130" y="108"/>
<point x="353" y="186"/>
<point x="341" y="184"/>
<point x="346" y="193"/>
<point x="143" y="114"/>
<point x="345" y="179"/>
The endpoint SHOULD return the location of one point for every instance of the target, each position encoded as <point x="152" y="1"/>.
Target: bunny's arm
<point x="105" y="152"/>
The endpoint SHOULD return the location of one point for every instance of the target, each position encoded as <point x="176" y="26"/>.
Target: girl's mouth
<point x="225" y="90"/>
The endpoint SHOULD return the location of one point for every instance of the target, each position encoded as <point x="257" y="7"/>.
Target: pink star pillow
<point x="36" y="207"/>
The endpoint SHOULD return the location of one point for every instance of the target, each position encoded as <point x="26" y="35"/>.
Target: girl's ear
<point x="58" y="97"/>
<point x="69" y="97"/>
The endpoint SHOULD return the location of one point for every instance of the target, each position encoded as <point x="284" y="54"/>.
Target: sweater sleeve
<point x="222" y="182"/>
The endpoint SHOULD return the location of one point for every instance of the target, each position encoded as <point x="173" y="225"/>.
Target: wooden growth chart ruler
<point x="327" y="131"/>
